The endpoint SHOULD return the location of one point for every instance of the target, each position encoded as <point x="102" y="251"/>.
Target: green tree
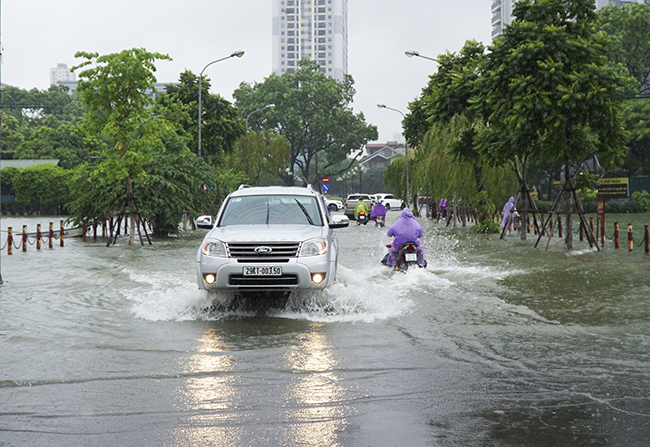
<point x="222" y="125"/>
<point x="628" y="28"/>
<point x="548" y="89"/>
<point x="114" y="90"/>
<point x="40" y="186"/>
<point x="261" y="156"/>
<point x="67" y="143"/>
<point x="312" y="111"/>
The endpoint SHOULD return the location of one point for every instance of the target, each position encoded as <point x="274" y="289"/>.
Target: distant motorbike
<point x="380" y="221"/>
<point x="407" y="256"/>
<point x="362" y="218"/>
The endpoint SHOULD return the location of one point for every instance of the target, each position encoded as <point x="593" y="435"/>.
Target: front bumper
<point x="296" y="274"/>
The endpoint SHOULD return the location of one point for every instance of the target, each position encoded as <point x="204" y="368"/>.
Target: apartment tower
<point x="315" y="29"/>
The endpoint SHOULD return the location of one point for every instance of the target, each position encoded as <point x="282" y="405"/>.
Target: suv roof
<point x="277" y="190"/>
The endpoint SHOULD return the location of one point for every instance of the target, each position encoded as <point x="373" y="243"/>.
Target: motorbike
<point x="407" y="256"/>
<point x="362" y="218"/>
<point x="379" y="221"/>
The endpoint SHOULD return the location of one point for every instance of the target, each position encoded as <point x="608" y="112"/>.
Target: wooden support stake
<point x="630" y="238"/>
<point x="38" y="236"/>
<point x="617" y="242"/>
<point x="24" y="238"/>
<point x="10" y="241"/>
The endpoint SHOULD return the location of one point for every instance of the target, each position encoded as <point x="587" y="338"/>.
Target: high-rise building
<point x="61" y="74"/>
<point x="315" y="29"/>
<point x="502" y="12"/>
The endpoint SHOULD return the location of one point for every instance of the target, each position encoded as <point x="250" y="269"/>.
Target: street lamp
<point x="233" y="54"/>
<point x="266" y="107"/>
<point x="406" y="149"/>
<point x="417" y="54"/>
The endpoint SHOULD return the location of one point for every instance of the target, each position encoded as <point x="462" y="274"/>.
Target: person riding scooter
<point x="379" y="210"/>
<point x="361" y="206"/>
<point x="405" y="229"/>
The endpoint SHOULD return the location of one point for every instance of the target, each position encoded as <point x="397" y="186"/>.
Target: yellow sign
<point x="613" y="188"/>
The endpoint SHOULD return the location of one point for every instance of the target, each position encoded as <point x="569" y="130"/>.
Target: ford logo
<point x="263" y="250"/>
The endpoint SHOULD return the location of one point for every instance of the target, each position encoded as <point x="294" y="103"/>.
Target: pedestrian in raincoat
<point x="361" y="206"/>
<point x="405" y="229"/>
<point x="378" y="210"/>
<point x="508" y="217"/>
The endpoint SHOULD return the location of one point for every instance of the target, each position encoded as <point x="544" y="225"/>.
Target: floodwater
<point x="496" y="343"/>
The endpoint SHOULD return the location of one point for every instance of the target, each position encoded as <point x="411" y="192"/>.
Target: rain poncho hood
<point x="507" y="211"/>
<point x="378" y="210"/>
<point x="405" y="229"/>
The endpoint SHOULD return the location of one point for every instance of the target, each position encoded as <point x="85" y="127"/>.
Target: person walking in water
<point x="509" y="214"/>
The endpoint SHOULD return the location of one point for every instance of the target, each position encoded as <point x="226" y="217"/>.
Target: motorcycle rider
<point x="405" y="229"/>
<point x="378" y="210"/>
<point x="361" y="206"/>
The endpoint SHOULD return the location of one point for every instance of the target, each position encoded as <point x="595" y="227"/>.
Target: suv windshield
<point x="271" y="210"/>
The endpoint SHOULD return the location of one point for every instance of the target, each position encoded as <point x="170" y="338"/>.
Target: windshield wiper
<point x="304" y="210"/>
<point x="268" y="208"/>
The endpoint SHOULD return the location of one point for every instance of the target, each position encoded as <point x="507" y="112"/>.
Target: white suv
<point x="390" y="201"/>
<point x="270" y="238"/>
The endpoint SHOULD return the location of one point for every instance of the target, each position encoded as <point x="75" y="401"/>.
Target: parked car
<point x="336" y="205"/>
<point x="352" y="201"/>
<point x="390" y="201"/>
<point x="270" y="238"/>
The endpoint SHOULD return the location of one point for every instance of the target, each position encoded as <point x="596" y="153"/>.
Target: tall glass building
<point x="315" y="29"/>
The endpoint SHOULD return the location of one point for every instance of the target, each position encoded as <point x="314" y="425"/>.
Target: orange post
<point x="61" y="234"/>
<point x="24" y="238"/>
<point x="38" y="236"/>
<point x="630" y="238"/>
<point x="51" y="235"/>
<point x="617" y="242"/>
<point x="10" y="241"/>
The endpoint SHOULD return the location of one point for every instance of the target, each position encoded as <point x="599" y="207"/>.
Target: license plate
<point x="411" y="257"/>
<point x="262" y="271"/>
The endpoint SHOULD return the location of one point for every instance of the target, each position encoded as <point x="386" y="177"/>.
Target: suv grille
<point x="253" y="282"/>
<point x="278" y="251"/>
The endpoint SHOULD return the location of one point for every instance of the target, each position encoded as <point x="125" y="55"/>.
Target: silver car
<point x="270" y="238"/>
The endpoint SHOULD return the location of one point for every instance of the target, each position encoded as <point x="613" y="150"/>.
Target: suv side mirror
<point x="339" y="221"/>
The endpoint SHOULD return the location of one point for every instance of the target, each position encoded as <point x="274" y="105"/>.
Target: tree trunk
<point x="129" y="196"/>
<point x="568" y="241"/>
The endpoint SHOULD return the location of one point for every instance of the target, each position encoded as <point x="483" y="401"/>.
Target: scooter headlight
<point x="215" y="249"/>
<point x="314" y="247"/>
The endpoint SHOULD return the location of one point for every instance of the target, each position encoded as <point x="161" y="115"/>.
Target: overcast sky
<point x="38" y="34"/>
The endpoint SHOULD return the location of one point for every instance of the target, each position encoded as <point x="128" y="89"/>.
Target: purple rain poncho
<point x="378" y="210"/>
<point x="405" y="229"/>
<point x="507" y="212"/>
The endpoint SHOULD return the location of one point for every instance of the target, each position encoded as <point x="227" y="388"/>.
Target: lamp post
<point x="417" y="54"/>
<point x="233" y="54"/>
<point x="266" y="107"/>
<point x="406" y="149"/>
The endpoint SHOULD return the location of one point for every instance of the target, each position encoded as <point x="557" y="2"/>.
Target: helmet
<point x="380" y="201"/>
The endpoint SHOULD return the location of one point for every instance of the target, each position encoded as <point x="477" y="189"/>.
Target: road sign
<point x="325" y="187"/>
<point x="326" y="179"/>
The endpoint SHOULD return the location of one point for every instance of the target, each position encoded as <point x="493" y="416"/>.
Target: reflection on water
<point x="209" y="393"/>
<point x="315" y="400"/>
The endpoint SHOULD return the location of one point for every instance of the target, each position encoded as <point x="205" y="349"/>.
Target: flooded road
<point x="494" y="344"/>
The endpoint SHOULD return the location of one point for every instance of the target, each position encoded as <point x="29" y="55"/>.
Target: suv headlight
<point x="215" y="249"/>
<point x="314" y="247"/>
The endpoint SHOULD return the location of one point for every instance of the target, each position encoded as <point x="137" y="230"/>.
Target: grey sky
<point x="38" y="34"/>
